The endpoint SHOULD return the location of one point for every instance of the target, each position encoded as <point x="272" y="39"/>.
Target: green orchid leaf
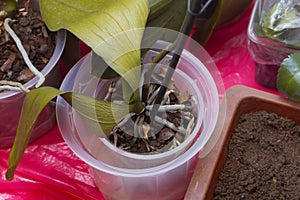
<point x="113" y="30"/>
<point x="100" y="116"/>
<point x="35" y="101"/>
<point x="207" y="22"/>
<point x="163" y="13"/>
<point x="288" y="80"/>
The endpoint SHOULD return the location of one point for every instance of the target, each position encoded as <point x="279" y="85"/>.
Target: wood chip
<point x="166" y="134"/>
<point x="44" y="31"/>
<point x="8" y="63"/>
<point x="45" y="60"/>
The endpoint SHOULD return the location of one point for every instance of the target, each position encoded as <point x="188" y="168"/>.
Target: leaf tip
<point x="9" y="175"/>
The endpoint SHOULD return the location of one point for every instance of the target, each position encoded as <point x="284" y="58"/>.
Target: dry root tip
<point x="11" y="85"/>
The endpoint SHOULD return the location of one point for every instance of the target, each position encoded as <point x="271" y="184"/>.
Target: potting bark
<point x="263" y="159"/>
<point x="38" y="42"/>
<point x="132" y="136"/>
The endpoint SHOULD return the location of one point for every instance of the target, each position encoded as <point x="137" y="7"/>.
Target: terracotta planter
<point x="238" y="101"/>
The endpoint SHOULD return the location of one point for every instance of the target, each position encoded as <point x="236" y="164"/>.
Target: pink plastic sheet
<point x="49" y="169"/>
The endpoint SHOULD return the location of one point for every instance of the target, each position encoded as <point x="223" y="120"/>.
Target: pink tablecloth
<point x="49" y="170"/>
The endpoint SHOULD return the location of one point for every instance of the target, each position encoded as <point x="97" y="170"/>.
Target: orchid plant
<point x="97" y="23"/>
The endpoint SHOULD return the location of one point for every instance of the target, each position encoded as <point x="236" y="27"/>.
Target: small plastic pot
<point x="159" y="176"/>
<point x="11" y="101"/>
<point x="265" y="51"/>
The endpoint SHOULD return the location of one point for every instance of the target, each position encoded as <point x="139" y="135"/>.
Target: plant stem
<point x="196" y="8"/>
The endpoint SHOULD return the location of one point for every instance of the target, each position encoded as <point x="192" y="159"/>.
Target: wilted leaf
<point x="100" y="116"/>
<point x="288" y="80"/>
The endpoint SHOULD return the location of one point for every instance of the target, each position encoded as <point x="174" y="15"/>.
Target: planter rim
<point x="234" y="104"/>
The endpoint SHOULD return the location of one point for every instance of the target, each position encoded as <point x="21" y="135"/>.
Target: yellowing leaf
<point x="100" y="116"/>
<point x="33" y="105"/>
<point x="113" y="29"/>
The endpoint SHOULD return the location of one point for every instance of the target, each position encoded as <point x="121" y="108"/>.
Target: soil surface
<point x="37" y="40"/>
<point x="263" y="159"/>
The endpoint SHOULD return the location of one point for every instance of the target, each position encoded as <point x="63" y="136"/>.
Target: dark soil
<point x="37" y="40"/>
<point x="263" y="160"/>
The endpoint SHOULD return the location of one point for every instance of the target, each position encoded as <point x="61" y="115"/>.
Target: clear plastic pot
<point x="11" y="101"/>
<point x="123" y="175"/>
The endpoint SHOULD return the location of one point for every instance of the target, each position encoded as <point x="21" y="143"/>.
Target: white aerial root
<point x="24" y="54"/>
<point x="11" y="85"/>
<point x="170" y="125"/>
<point x="164" y="108"/>
<point x="8" y="87"/>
